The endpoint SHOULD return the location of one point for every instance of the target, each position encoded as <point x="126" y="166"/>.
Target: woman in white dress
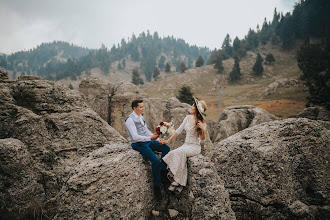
<point x="176" y="160"/>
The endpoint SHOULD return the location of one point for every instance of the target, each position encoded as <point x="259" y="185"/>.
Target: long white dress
<point x="176" y="159"/>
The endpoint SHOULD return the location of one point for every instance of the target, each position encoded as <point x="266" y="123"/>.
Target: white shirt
<point x="133" y="131"/>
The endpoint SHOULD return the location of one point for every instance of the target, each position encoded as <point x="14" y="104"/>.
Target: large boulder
<point x="54" y="123"/>
<point x="205" y="196"/>
<point x="277" y="170"/>
<point x="236" y="118"/>
<point x="21" y="194"/>
<point x="278" y="84"/>
<point x="96" y="93"/>
<point x="315" y="113"/>
<point x="113" y="182"/>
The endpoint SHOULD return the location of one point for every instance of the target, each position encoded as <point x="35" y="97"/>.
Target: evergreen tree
<point x="218" y="64"/>
<point x="270" y="58"/>
<point x="119" y="67"/>
<point x="314" y="62"/>
<point x="235" y="74"/>
<point x="167" y="68"/>
<point x="190" y="63"/>
<point x="226" y="45"/>
<point x="156" y="74"/>
<point x="236" y="44"/>
<point x="161" y="63"/>
<point x="199" y="62"/>
<point x="14" y="75"/>
<point x="22" y="73"/>
<point x="136" y="79"/>
<point x="258" y="68"/>
<point x="185" y="95"/>
<point x="183" y="67"/>
<point x="70" y="86"/>
<point x="123" y="63"/>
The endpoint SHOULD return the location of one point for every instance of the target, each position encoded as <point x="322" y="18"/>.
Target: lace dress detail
<point x="176" y="160"/>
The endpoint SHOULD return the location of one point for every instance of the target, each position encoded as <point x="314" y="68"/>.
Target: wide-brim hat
<point x="200" y="108"/>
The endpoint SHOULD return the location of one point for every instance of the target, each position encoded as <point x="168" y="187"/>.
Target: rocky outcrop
<point x="205" y="192"/>
<point x="236" y="118"/>
<point x="315" y="113"/>
<point x="277" y="170"/>
<point x="278" y="84"/>
<point x="96" y="93"/>
<point x="54" y="123"/>
<point x="113" y="182"/>
<point x="21" y="194"/>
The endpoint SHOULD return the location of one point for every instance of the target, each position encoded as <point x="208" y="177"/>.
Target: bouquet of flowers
<point x="165" y="128"/>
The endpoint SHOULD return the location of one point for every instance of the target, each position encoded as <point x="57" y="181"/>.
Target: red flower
<point x="161" y="123"/>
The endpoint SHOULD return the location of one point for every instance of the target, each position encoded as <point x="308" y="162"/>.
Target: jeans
<point x="146" y="149"/>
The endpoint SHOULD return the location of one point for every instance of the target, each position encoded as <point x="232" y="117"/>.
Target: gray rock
<point x="315" y="113"/>
<point x="268" y="167"/>
<point x="280" y="83"/>
<point x="236" y="118"/>
<point x="21" y="195"/>
<point x="96" y="93"/>
<point x="205" y="196"/>
<point x="113" y="182"/>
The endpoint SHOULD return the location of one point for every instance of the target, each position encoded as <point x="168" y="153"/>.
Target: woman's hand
<point x="201" y="126"/>
<point x="162" y="141"/>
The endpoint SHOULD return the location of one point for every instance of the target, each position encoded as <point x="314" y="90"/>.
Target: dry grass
<point x="205" y="84"/>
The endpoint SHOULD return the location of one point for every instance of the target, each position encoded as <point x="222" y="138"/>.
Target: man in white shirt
<point x="144" y="141"/>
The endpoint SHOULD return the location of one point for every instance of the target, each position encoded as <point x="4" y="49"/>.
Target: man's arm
<point x="133" y="131"/>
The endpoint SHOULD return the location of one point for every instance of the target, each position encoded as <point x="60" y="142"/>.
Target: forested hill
<point x="58" y="60"/>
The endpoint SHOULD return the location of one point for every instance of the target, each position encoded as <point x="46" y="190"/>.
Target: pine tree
<point x="119" y="67"/>
<point x="167" y="68"/>
<point x="185" y="95"/>
<point x="226" y="45"/>
<point x="123" y="63"/>
<point x="70" y="86"/>
<point x="218" y="63"/>
<point x="199" y="62"/>
<point x="270" y="58"/>
<point x="235" y="74"/>
<point x="183" y="67"/>
<point x="156" y="73"/>
<point x="258" y="68"/>
<point x="136" y="79"/>
<point x="161" y="63"/>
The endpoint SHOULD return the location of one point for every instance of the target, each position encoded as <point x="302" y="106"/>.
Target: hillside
<point x="205" y="83"/>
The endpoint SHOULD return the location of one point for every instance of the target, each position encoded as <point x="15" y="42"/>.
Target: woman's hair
<point x="198" y="117"/>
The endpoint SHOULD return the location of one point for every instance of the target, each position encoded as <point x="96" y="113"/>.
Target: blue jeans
<point x="146" y="149"/>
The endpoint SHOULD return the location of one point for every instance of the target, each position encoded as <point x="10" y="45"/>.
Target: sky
<point x="25" y="24"/>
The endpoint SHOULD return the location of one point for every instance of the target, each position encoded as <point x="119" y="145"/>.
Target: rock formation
<point x="277" y="170"/>
<point x="280" y="83"/>
<point x="236" y="118"/>
<point x="315" y="113"/>
<point x="96" y="93"/>
<point x="21" y="193"/>
<point x="113" y="182"/>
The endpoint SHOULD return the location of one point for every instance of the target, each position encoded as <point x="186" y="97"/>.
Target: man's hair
<point x="136" y="102"/>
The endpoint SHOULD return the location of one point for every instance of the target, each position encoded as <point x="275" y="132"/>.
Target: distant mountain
<point x="59" y="60"/>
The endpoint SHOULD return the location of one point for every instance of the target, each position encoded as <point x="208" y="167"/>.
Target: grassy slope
<point x="205" y="83"/>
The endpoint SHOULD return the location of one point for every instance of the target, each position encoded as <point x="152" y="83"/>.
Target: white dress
<point x="176" y="159"/>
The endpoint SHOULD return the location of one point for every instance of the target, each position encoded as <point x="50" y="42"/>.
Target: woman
<point x="176" y="160"/>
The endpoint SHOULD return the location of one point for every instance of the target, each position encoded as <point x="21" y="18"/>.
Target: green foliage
<point x="161" y="63"/>
<point x="218" y="63"/>
<point x="123" y="63"/>
<point x="235" y="74"/>
<point x="183" y="67"/>
<point x="314" y="62"/>
<point x="136" y="79"/>
<point x="70" y="86"/>
<point x="119" y="67"/>
<point x="167" y="68"/>
<point x="185" y="95"/>
<point x="270" y="58"/>
<point x="257" y="67"/>
<point x="200" y="61"/>
<point x="226" y="46"/>
<point x="156" y="73"/>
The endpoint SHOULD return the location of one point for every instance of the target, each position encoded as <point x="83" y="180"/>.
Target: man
<point x="145" y="142"/>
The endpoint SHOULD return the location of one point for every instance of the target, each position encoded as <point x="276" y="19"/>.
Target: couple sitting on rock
<point x="173" y="164"/>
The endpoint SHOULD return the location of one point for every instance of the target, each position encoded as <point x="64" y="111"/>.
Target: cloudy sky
<point x="24" y="24"/>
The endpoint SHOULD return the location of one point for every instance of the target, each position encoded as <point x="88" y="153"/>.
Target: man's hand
<point x="154" y="137"/>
